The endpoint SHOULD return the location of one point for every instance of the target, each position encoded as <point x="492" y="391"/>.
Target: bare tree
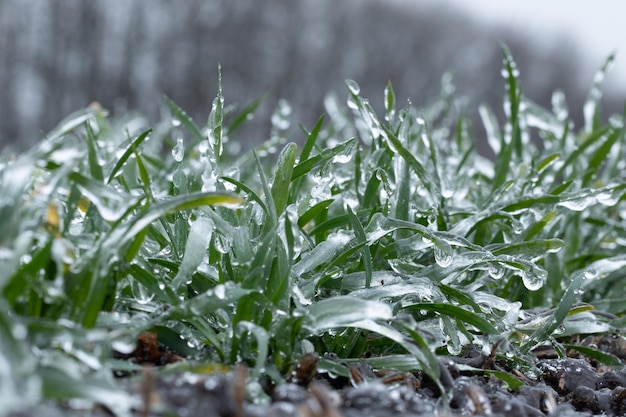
<point x="58" y="56"/>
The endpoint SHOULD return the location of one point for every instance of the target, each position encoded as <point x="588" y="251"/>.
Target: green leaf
<point x="182" y="202"/>
<point x="311" y="139"/>
<point x="530" y="249"/>
<point x="344" y="311"/>
<point x="313" y="212"/>
<point x="602" y="357"/>
<point x="186" y="120"/>
<point x="244" y="115"/>
<point x="132" y="147"/>
<point x="282" y="177"/>
<point x="361" y="238"/>
<point x="320" y="160"/>
<point x="458" y="313"/>
<point x="390" y="102"/>
<point x="566" y="303"/>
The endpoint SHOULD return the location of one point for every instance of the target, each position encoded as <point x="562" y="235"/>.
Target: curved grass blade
<point x="200" y="233"/>
<point x="318" y="161"/>
<point x="457" y="313"/>
<point x="282" y="177"/>
<point x="244" y="115"/>
<point x="361" y="238"/>
<point x="344" y="311"/>
<point x="134" y="146"/>
<point x="92" y="153"/>
<point x="563" y="309"/>
<point x="602" y="357"/>
<point x="397" y="147"/>
<point x="181" y="202"/>
<point x="73" y="121"/>
<point x="531" y="248"/>
<point x="216" y="118"/>
<point x="591" y="107"/>
<point x="390" y="102"/>
<point x="314" y="211"/>
<point x="311" y="139"/>
<point x="182" y="116"/>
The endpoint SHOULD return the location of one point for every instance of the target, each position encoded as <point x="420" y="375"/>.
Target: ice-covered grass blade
<point x="389" y="235"/>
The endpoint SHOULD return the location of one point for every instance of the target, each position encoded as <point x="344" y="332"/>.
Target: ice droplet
<point x="496" y="272"/>
<point x="123" y="346"/>
<point x="442" y="258"/>
<point x="280" y="118"/>
<point x="353" y="87"/>
<point x="178" y="151"/>
<point x="609" y="197"/>
<point x="534" y="280"/>
<point x="579" y="204"/>
<point x="220" y="291"/>
<point x="590" y="273"/>
<point x="175" y="122"/>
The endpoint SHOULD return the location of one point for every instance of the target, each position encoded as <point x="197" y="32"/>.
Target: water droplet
<point x="616" y="121"/>
<point x="123" y="346"/>
<point x="579" y="204"/>
<point x="590" y="273"/>
<point x="534" y="280"/>
<point x="353" y="87"/>
<point x="496" y="272"/>
<point x="280" y="118"/>
<point x="342" y="158"/>
<point x="220" y="291"/>
<point x="178" y="152"/>
<point x="175" y="122"/>
<point x="442" y="258"/>
<point x="609" y="197"/>
<point x="19" y="331"/>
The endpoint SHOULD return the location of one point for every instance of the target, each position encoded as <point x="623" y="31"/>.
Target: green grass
<point x="383" y="235"/>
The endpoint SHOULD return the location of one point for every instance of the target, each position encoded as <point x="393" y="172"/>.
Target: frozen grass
<point x="382" y="235"/>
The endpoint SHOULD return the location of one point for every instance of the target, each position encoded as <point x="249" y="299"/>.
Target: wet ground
<point x="572" y="386"/>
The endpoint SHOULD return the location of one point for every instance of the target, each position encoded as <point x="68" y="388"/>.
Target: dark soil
<point x="573" y="386"/>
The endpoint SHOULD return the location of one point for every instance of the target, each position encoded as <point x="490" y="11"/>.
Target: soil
<point x="571" y="386"/>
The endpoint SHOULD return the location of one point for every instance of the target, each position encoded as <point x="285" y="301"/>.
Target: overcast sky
<point x="597" y="27"/>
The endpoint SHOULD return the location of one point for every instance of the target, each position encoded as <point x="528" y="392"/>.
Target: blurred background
<point x="59" y="56"/>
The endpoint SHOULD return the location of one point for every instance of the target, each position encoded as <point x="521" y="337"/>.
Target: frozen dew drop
<point x="579" y="204"/>
<point x="222" y="244"/>
<point x="534" y="280"/>
<point x="446" y="189"/>
<point x="616" y="121"/>
<point x="442" y="258"/>
<point x="609" y="198"/>
<point x="342" y="158"/>
<point x="353" y="87"/>
<point x="496" y="272"/>
<point x="220" y="291"/>
<point x="123" y="346"/>
<point x="178" y="152"/>
<point x="203" y="147"/>
<point x="590" y="273"/>
<point x="280" y="118"/>
<point x="26" y="259"/>
<point x="19" y="331"/>
<point x="175" y="122"/>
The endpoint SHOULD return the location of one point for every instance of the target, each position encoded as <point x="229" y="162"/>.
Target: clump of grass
<point x="383" y="235"/>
